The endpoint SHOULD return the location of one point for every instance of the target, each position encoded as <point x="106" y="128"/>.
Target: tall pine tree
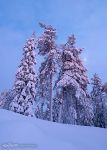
<point x="24" y="85"/>
<point x="98" y="102"/>
<point x="48" y="49"/>
<point x="6" y="98"/>
<point x="104" y="89"/>
<point x="74" y="105"/>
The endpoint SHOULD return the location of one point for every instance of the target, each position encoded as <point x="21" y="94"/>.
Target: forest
<point x="59" y="91"/>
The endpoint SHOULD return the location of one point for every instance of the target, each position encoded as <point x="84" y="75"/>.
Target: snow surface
<point x="27" y="133"/>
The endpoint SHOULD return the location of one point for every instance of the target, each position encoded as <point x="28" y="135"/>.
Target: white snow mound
<point x="18" y="132"/>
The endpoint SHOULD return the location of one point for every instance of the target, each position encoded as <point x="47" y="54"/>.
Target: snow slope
<point x="19" y="132"/>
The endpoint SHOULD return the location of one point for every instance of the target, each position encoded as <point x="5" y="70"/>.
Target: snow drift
<point x="21" y="132"/>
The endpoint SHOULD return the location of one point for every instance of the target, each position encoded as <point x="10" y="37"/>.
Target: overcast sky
<point x="87" y="19"/>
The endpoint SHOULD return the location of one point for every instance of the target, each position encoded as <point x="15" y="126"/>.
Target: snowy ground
<point x="19" y="132"/>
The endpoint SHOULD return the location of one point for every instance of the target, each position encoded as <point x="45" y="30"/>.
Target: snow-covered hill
<point x="25" y="133"/>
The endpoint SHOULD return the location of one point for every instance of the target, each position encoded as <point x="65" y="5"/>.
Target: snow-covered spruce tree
<point x="2" y="99"/>
<point x="104" y="89"/>
<point x="6" y="98"/>
<point x="98" y="102"/>
<point x="48" y="49"/>
<point x="24" y="85"/>
<point x="74" y="103"/>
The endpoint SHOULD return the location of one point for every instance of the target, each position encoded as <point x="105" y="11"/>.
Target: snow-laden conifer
<point x="104" y="89"/>
<point x="2" y="99"/>
<point x="48" y="49"/>
<point x="98" y="101"/>
<point x="74" y="104"/>
<point x="6" y="98"/>
<point x="24" y="85"/>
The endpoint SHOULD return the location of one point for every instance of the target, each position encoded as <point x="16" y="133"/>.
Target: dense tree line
<point x="59" y="91"/>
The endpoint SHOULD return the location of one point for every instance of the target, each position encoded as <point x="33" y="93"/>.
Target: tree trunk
<point x="51" y="98"/>
<point x="60" y="107"/>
